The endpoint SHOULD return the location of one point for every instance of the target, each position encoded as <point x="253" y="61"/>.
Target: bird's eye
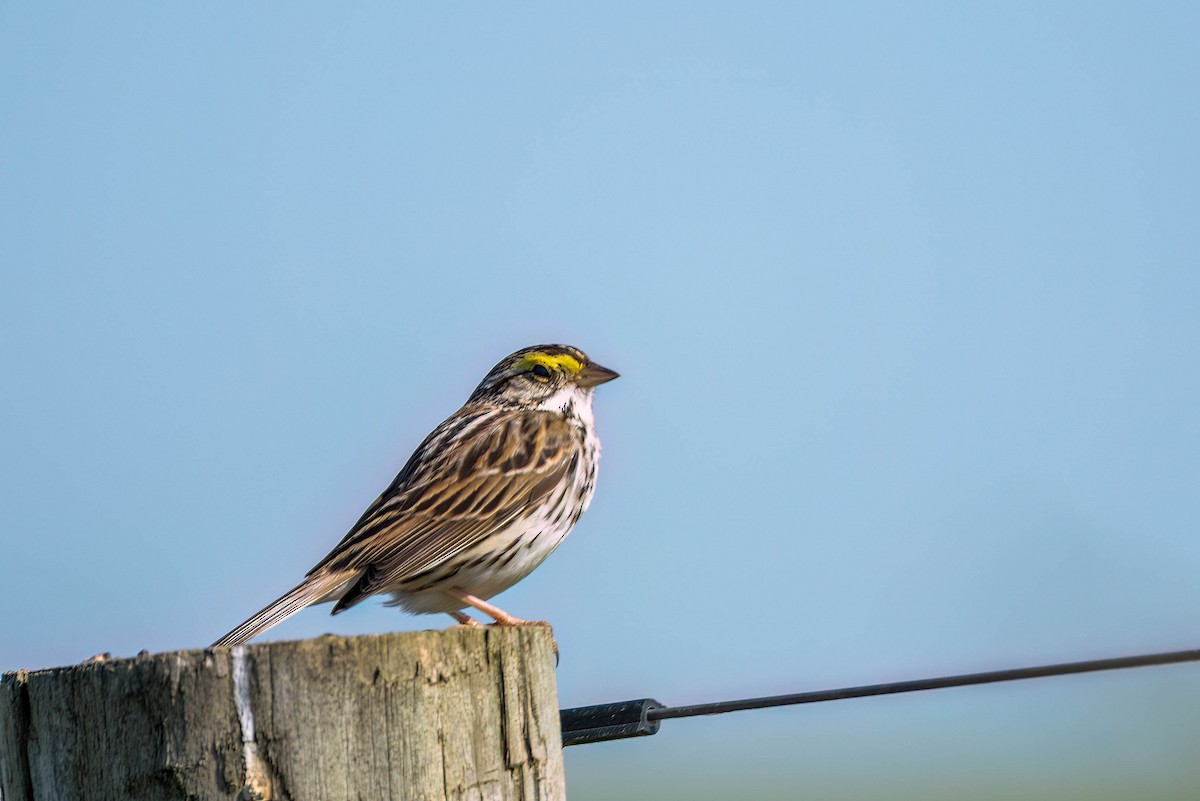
<point x="542" y="372"/>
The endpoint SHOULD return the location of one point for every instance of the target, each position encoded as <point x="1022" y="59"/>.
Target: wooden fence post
<point x="458" y="714"/>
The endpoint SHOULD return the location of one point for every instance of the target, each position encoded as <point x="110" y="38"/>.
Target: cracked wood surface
<point x="457" y="714"/>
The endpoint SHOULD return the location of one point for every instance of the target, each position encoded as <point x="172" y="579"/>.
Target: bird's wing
<point x="477" y="472"/>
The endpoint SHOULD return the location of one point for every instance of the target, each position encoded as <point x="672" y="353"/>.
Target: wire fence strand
<point x="962" y="680"/>
<point x="642" y="717"/>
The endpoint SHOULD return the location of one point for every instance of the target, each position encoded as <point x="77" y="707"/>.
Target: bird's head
<point x="548" y="377"/>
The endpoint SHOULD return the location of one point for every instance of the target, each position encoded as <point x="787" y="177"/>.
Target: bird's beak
<point x="593" y="375"/>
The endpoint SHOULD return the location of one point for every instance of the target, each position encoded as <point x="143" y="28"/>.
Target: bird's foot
<point x="509" y="620"/>
<point x="465" y="621"/>
<point x="501" y="617"/>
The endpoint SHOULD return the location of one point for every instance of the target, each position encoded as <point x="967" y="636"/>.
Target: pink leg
<point x="466" y="621"/>
<point x="501" y="617"/>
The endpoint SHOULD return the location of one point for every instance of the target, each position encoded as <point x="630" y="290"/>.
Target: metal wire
<point x="989" y="677"/>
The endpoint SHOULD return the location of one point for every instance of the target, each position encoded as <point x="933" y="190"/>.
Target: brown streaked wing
<point x="517" y="460"/>
<point x="435" y="448"/>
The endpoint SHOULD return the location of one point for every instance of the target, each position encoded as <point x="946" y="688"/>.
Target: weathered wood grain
<point x="459" y="714"/>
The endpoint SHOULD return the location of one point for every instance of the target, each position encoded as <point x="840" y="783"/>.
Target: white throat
<point x="568" y="398"/>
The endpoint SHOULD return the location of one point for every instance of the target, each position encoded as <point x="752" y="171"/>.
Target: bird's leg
<point x="501" y="617"/>
<point x="465" y="621"/>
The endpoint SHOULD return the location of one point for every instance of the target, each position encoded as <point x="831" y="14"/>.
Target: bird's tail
<point x="313" y="589"/>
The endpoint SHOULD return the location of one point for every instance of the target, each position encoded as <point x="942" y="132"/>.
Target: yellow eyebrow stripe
<point x="562" y="361"/>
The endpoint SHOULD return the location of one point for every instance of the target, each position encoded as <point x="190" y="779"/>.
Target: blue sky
<point x="905" y="299"/>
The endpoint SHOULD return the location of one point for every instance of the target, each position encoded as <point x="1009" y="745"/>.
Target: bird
<point x="483" y="500"/>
